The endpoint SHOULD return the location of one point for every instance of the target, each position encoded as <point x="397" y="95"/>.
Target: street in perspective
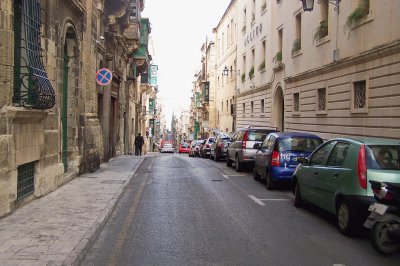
<point x="230" y="132"/>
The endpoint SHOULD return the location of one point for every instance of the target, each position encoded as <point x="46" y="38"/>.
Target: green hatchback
<point x="335" y="176"/>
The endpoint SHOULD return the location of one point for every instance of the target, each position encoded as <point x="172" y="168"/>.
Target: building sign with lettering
<point x="253" y="34"/>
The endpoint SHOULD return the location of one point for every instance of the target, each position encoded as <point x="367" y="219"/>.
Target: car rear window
<point x="225" y="136"/>
<point x="386" y="157"/>
<point x="300" y="144"/>
<point x="211" y="140"/>
<point x="257" y="135"/>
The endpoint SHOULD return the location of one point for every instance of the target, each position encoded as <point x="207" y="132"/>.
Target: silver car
<point x="167" y="147"/>
<point x="241" y="149"/>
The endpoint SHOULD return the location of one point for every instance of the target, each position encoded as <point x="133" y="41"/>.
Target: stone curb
<point x="76" y="256"/>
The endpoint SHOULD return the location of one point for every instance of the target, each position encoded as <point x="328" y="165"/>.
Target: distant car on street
<point x="194" y="149"/>
<point x="336" y="177"/>
<point x="219" y="147"/>
<point x="183" y="148"/>
<point x="277" y="156"/>
<point x="167" y="147"/>
<point x="205" y="148"/>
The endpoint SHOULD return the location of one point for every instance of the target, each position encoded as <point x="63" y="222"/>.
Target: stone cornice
<point x="375" y="53"/>
<point x="258" y="89"/>
<point x="77" y="6"/>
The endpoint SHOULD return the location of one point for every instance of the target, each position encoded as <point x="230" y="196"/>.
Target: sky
<point x="178" y="30"/>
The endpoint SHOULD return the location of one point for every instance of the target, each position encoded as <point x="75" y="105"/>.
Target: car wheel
<point x="238" y="165"/>
<point x="228" y="161"/>
<point x="344" y="218"/>
<point x="298" y="201"/>
<point x="255" y="174"/>
<point x="269" y="182"/>
<point x="381" y="240"/>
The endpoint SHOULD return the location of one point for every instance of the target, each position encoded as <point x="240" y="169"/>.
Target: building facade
<point x="55" y="121"/>
<point x="227" y="73"/>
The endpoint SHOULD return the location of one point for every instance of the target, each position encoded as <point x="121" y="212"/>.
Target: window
<point x="262" y="106"/>
<point x="222" y="106"/>
<point x="265" y="142"/>
<point x="228" y="33"/>
<point x="26" y="180"/>
<point x="252" y="107"/>
<point x="223" y="43"/>
<point x="321" y="99"/>
<point x="338" y="155"/>
<point x="32" y="88"/>
<point x="296" y="102"/>
<point x="262" y="64"/>
<point x="227" y="106"/>
<point x="321" y="155"/>
<point x="359" y="92"/>
<point x="297" y="41"/>
<point x="244" y="108"/>
<point x="244" y="20"/>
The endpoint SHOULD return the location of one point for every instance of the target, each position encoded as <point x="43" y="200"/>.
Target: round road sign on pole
<point x="103" y="77"/>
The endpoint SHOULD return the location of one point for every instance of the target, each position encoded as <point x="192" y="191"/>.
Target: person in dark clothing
<point x="139" y="141"/>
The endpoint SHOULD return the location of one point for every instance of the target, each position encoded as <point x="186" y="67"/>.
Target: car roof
<point x="370" y="140"/>
<point x="295" y="134"/>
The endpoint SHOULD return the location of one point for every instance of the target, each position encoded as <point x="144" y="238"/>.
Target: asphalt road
<point x="192" y="211"/>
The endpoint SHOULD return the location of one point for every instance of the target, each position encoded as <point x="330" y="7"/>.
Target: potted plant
<point x="296" y="46"/>
<point x="243" y="77"/>
<point x="278" y="57"/>
<point x="262" y="65"/>
<point x="321" y="31"/>
<point x="251" y="72"/>
<point x="361" y="11"/>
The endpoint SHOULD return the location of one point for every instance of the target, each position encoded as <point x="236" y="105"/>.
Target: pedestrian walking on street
<point x="139" y="141"/>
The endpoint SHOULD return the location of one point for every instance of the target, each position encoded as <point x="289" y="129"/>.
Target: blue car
<point x="277" y="156"/>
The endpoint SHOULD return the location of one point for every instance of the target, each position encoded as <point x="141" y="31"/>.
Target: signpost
<point x="104" y="77"/>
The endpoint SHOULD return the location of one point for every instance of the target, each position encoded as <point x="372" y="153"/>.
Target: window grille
<point x="32" y="88"/>
<point x="359" y="94"/>
<point x="321" y="99"/>
<point x="296" y="102"/>
<point x="26" y="180"/>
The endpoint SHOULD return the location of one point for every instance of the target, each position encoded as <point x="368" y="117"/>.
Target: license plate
<point x="378" y="208"/>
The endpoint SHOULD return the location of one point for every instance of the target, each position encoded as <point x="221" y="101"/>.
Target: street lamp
<point x="308" y="5"/>
<point x="225" y="72"/>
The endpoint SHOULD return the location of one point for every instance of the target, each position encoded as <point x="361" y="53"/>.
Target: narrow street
<point x="191" y="211"/>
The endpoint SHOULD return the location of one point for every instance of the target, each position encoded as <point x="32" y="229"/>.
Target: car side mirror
<point x="257" y="146"/>
<point x="303" y="160"/>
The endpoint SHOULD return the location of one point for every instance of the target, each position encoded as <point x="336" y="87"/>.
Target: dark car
<point x="205" y="148"/>
<point x="241" y="150"/>
<point x="277" y="156"/>
<point x="219" y="147"/>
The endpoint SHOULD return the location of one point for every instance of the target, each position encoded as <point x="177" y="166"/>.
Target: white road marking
<point x="259" y="202"/>
<point x="225" y="176"/>
<point x="273" y="199"/>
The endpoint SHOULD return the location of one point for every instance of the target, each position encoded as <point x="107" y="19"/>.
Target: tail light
<point x="208" y="146"/>
<point x="221" y="145"/>
<point x="382" y="193"/>
<point x="275" y="159"/>
<point x="245" y="136"/>
<point x="362" y="168"/>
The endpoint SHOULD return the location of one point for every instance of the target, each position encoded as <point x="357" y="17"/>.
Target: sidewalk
<point x="58" y="228"/>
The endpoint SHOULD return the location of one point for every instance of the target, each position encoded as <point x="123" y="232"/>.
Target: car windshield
<point x="385" y="157"/>
<point x="184" y="145"/>
<point x="300" y="144"/>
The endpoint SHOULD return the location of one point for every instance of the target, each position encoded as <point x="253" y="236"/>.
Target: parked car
<point x="194" y="149"/>
<point x="241" y="150"/>
<point x="336" y="177"/>
<point x="205" y="148"/>
<point x="183" y="148"/>
<point x="277" y="156"/>
<point x="167" y="147"/>
<point x="219" y="147"/>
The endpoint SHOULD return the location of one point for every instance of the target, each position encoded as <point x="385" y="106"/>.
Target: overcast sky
<point x="178" y="29"/>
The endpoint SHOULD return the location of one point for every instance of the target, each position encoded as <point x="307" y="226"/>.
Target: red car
<point x="183" y="148"/>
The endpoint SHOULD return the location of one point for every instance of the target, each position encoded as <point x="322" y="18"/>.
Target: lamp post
<point x="308" y="5"/>
<point x="226" y="71"/>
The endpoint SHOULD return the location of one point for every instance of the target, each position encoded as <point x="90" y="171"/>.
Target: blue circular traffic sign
<point x="104" y="77"/>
